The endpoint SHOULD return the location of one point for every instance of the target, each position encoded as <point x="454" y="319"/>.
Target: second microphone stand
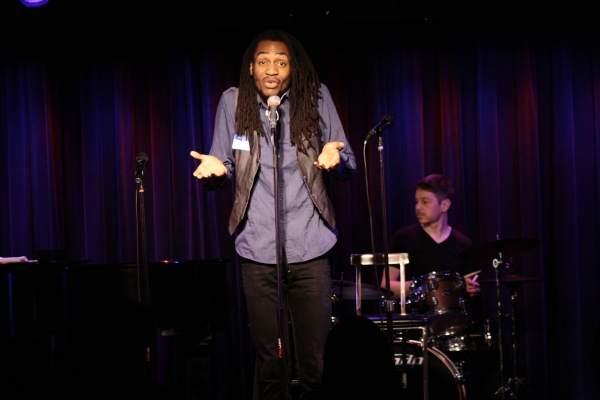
<point x="386" y="264"/>
<point x="142" y="256"/>
<point x="386" y="122"/>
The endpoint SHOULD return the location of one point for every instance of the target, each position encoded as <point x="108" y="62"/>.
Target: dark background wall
<point x="502" y="98"/>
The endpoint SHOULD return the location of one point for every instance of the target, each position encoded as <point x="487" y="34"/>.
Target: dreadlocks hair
<point x="304" y="96"/>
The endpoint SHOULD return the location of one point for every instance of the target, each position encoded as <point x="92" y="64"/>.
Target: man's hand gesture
<point x="330" y="156"/>
<point x="210" y="166"/>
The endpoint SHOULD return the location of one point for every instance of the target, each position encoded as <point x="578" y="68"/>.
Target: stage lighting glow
<point x="34" y="3"/>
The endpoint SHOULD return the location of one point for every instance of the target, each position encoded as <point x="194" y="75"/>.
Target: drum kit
<point x="454" y="341"/>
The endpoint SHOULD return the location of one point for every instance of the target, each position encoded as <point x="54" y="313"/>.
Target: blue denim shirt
<point x="304" y="234"/>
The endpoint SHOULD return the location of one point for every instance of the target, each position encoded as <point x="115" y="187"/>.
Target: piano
<point x="73" y="310"/>
<point x="46" y="297"/>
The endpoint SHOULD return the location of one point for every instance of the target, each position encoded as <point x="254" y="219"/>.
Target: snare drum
<point x="445" y="381"/>
<point x="439" y="295"/>
<point x="476" y="337"/>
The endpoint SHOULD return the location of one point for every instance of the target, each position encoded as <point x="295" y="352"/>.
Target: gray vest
<point x="246" y="167"/>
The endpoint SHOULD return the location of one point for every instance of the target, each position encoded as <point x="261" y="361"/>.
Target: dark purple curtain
<point x="509" y="110"/>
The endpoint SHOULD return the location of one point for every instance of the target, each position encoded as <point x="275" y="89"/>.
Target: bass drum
<point x="445" y="382"/>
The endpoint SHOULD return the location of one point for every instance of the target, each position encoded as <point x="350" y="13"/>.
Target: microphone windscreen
<point x="141" y="158"/>
<point x="273" y="101"/>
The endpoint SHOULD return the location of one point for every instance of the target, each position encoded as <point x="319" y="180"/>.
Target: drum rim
<point x="458" y="379"/>
<point x="440" y="273"/>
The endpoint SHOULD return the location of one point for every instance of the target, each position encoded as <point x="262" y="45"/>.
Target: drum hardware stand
<point x="513" y="382"/>
<point x="404" y="321"/>
<point x="496" y="263"/>
<point x="495" y="250"/>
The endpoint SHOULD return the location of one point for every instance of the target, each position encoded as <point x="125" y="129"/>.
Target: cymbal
<point x="514" y="278"/>
<point x="346" y="290"/>
<point x="508" y="248"/>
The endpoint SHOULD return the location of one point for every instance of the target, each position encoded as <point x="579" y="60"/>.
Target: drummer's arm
<point x="395" y="282"/>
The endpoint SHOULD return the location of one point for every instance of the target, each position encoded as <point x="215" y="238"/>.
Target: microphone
<point x="140" y="160"/>
<point x="386" y="122"/>
<point x="273" y="103"/>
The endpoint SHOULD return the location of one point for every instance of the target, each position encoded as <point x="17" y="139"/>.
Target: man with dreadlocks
<point x="312" y="143"/>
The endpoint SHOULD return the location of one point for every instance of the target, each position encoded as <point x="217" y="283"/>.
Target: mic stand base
<point x="514" y="389"/>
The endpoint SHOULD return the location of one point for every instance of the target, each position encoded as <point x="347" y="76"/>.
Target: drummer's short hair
<point x="437" y="184"/>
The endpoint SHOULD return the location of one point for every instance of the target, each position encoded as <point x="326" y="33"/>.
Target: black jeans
<point x="307" y="295"/>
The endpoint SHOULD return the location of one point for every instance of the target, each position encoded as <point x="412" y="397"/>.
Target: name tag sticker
<point x="240" y="143"/>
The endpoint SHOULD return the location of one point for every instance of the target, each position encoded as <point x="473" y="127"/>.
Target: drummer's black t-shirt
<point x="425" y="255"/>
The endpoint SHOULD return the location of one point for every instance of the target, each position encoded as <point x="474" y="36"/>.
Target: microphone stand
<point x="281" y="314"/>
<point x="142" y="257"/>
<point x="386" y="122"/>
<point x="386" y="264"/>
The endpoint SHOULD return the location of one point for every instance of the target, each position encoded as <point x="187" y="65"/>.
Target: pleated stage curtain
<point x="509" y="110"/>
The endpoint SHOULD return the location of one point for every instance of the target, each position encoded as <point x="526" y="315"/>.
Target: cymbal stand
<point x="514" y="381"/>
<point x="503" y="389"/>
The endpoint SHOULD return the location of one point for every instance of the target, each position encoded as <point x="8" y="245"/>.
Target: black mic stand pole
<point x="281" y="312"/>
<point x="389" y="304"/>
<point x="142" y="257"/>
<point x="386" y="264"/>
<point x="386" y="122"/>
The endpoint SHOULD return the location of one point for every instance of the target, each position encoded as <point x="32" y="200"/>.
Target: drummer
<point x="432" y="244"/>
